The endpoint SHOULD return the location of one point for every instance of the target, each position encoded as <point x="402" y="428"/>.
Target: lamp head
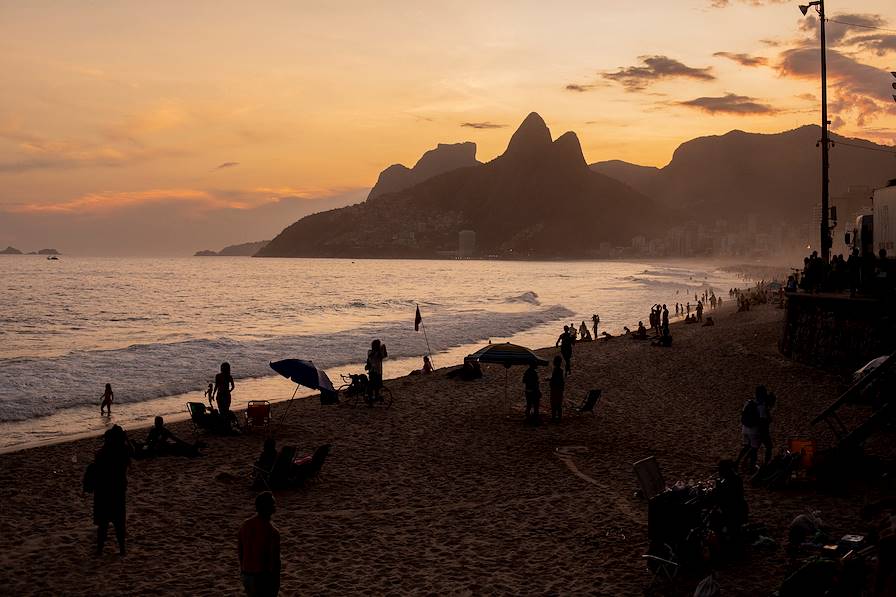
<point x="804" y="8"/>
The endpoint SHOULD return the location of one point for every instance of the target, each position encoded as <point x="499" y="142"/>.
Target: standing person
<point x="108" y="396"/>
<point x="565" y="343"/>
<point x="665" y="320"/>
<point x="699" y="311"/>
<point x="374" y="367"/>
<point x="107" y="477"/>
<point x="557" y="383"/>
<point x="533" y="394"/>
<point x="258" y="547"/>
<point x="749" y="427"/>
<point x="688" y="307"/>
<point x="595" y="319"/>
<point x="765" y="401"/>
<point x="210" y="394"/>
<point x="223" y="387"/>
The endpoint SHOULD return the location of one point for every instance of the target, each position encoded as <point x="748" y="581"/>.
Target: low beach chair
<point x="309" y="468"/>
<point x="258" y="414"/>
<point x="279" y="474"/>
<point x="589" y="402"/>
<point x="198" y="415"/>
<point x="663" y="565"/>
<point x="649" y="477"/>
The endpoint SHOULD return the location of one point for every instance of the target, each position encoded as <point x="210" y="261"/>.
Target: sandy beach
<point x="444" y="493"/>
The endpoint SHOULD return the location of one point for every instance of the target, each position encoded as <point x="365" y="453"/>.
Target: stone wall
<point x="837" y="332"/>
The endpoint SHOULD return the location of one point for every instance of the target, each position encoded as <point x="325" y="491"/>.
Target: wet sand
<point x="443" y="493"/>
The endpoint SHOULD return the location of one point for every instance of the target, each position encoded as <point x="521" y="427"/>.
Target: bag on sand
<point x="749" y="417"/>
<point x="88" y="483"/>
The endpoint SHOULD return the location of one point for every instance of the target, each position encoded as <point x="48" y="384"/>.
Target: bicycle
<point x="356" y="389"/>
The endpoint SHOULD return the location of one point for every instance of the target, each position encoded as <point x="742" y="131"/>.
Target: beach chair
<point x="589" y="402"/>
<point x="309" y="468"/>
<point x="280" y="472"/>
<point x="258" y="414"/>
<point x="198" y="416"/>
<point x="663" y="564"/>
<point x="649" y="477"/>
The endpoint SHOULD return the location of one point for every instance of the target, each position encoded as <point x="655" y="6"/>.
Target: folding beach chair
<point x="590" y="401"/>
<point x="279" y="473"/>
<point x="649" y="477"/>
<point x="663" y="565"/>
<point x="258" y="414"/>
<point x="198" y="415"/>
<point x="309" y="467"/>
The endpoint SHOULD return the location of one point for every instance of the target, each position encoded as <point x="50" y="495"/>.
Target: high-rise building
<point x="466" y="244"/>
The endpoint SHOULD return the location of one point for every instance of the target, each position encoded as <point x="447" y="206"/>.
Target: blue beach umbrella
<point x="508" y="355"/>
<point x="303" y="373"/>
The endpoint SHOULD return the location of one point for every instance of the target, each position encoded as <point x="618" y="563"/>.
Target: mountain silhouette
<point x="538" y="199"/>
<point x="444" y="158"/>
<point x="775" y="176"/>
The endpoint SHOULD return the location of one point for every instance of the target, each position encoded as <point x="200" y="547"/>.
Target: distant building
<point x="466" y="244"/>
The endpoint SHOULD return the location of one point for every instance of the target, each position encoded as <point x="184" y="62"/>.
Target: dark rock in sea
<point x="10" y="251"/>
<point x="48" y="252"/>
<point x="242" y="250"/>
<point x="205" y="253"/>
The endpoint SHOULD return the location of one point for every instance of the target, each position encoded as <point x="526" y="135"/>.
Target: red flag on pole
<point x="417" y="320"/>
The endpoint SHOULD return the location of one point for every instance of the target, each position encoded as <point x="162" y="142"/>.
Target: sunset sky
<point x="167" y="127"/>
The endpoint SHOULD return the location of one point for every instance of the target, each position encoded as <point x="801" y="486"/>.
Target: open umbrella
<point x="302" y="373"/>
<point x="508" y="355"/>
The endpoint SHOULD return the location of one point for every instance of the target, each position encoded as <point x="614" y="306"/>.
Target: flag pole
<point x="423" y="325"/>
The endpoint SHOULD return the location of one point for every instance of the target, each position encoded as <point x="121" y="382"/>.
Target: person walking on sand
<point x="565" y="343"/>
<point x="595" y="319"/>
<point x="749" y="421"/>
<point x="107" y="478"/>
<point x="108" y="396"/>
<point x="533" y="394"/>
<point x="258" y="547"/>
<point x="374" y="367"/>
<point x="557" y="383"/>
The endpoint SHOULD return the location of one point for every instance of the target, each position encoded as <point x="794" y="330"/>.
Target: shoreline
<point x="443" y="491"/>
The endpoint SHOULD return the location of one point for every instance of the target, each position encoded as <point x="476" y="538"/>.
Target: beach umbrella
<point x="508" y="355"/>
<point x="302" y="373"/>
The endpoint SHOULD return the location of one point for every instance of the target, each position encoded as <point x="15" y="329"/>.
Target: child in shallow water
<point x="106" y="404"/>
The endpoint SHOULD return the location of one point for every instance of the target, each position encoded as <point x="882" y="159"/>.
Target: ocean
<point x="158" y="329"/>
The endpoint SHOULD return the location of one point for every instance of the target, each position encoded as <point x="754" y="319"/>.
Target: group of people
<point x="532" y="387"/>
<point x="756" y="420"/>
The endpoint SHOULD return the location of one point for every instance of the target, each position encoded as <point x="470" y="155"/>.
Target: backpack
<point x="749" y="417"/>
<point x="88" y="483"/>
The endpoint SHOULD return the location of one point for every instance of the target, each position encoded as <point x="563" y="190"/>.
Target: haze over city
<point x="161" y="129"/>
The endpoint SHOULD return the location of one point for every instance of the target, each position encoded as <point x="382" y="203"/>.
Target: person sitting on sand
<point x="641" y="333"/>
<point x="533" y="394"/>
<point x="427" y="365"/>
<point x="107" y="397"/>
<point x="469" y="371"/>
<point x="160" y="441"/>
<point x="258" y="547"/>
<point x="709" y="321"/>
<point x="265" y="461"/>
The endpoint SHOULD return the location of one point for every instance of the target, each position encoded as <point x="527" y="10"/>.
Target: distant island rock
<point x="444" y="158"/>
<point x="538" y="199"/>
<point x="10" y="251"/>
<point x="48" y="252"/>
<point x="242" y="250"/>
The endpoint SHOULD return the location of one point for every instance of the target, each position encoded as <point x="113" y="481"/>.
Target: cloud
<point x="726" y="3"/>
<point x="730" y="103"/>
<point x="854" y="86"/>
<point x="579" y="88"/>
<point x="743" y="59"/>
<point x="482" y="125"/>
<point x="226" y="165"/>
<point x="880" y="44"/>
<point x="841" y="25"/>
<point x="654" y="68"/>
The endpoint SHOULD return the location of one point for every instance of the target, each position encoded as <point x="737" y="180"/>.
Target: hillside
<point x="538" y="199"/>
<point x="444" y="158"/>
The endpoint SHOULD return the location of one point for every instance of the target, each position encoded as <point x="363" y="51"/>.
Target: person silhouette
<point x="223" y="387"/>
<point x="108" y="396"/>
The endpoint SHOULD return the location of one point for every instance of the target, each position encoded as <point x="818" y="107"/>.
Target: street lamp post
<point x="825" y="140"/>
